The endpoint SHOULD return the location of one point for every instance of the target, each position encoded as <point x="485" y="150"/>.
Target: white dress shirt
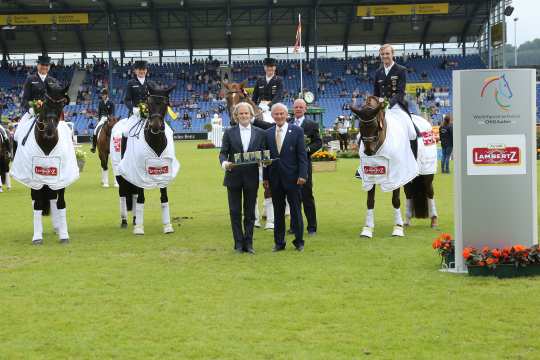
<point x="245" y="135"/>
<point x="141" y="80"/>
<point x="387" y="69"/>
<point x="299" y="121"/>
<point x="268" y="78"/>
<point x="42" y="77"/>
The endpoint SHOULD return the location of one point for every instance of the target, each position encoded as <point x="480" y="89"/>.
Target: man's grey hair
<point x="280" y="105"/>
<point x="237" y="107"/>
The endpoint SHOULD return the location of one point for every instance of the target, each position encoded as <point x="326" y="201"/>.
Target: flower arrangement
<point x="207" y="127"/>
<point x="517" y="255"/>
<point x="143" y="110"/>
<point x="206" y="145"/>
<point x="36" y="105"/>
<point x="323" y="155"/>
<point x="444" y="244"/>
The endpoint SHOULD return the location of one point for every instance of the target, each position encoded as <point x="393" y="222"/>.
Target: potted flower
<point x="324" y="161"/>
<point x="476" y="262"/>
<point x="444" y="244"/>
<point x="81" y="158"/>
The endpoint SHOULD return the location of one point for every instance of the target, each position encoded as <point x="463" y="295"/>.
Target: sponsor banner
<point x="154" y="170"/>
<point x="44" y="19"/>
<point x="374" y="170"/>
<point x="409" y="9"/>
<point x="428" y="137"/>
<point x="410" y="88"/>
<point x="117" y="144"/>
<point x="46" y="169"/>
<point x="190" y="136"/>
<point x="496" y="155"/>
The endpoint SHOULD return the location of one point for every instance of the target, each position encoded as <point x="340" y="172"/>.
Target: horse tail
<point x="419" y="198"/>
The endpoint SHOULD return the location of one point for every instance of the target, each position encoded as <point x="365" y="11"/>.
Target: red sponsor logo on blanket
<point x="46" y="171"/>
<point x="428" y="137"/>
<point x="117" y="143"/>
<point x="505" y="156"/>
<point x="374" y="170"/>
<point x="155" y="170"/>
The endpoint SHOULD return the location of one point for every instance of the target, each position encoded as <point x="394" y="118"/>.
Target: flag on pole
<point x="298" y="42"/>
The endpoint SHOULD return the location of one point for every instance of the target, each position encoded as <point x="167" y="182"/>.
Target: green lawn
<point x="187" y="295"/>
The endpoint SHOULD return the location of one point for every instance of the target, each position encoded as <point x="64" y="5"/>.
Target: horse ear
<point x="243" y="84"/>
<point x="227" y="86"/>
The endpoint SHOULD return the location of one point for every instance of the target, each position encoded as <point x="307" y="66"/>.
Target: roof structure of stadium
<point x="197" y="24"/>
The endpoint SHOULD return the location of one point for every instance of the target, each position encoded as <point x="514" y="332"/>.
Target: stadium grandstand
<point x="200" y="44"/>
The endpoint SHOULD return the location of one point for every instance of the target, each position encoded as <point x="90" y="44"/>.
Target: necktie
<point x="278" y="139"/>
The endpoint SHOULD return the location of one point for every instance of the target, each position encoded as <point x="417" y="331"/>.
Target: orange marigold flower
<point x="436" y="244"/>
<point x="467" y="253"/>
<point x="485" y="249"/>
<point x="446" y="236"/>
<point x="519" y="247"/>
<point x="490" y="261"/>
<point x="496" y="253"/>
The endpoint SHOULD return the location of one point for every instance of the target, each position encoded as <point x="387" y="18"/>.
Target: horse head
<point x="158" y="102"/>
<point x="51" y="112"/>
<point x="235" y="93"/>
<point x="504" y="88"/>
<point x="372" y="124"/>
<point x="111" y="121"/>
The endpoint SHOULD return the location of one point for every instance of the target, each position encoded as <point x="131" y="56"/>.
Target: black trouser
<point x="343" y="141"/>
<point x="293" y="195"/>
<point x="309" y="203"/>
<point x="243" y="237"/>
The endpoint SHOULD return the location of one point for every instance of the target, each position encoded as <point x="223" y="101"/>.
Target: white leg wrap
<point x="1" y="182"/>
<point x="269" y="210"/>
<point x="134" y="207"/>
<point x="139" y="214"/>
<point x="257" y="214"/>
<point x="408" y="208"/>
<point x="370" y="218"/>
<point x="105" y="178"/>
<point x="165" y="214"/>
<point x="55" y="217"/>
<point x="63" y="233"/>
<point x="398" y="220"/>
<point x="8" y="181"/>
<point x="432" y="209"/>
<point x="287" y="208"/>
<point x="38" y="225"/>
<point x="123" y="208"/>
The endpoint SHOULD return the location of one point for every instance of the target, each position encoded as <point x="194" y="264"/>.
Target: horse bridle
<point x="243" y="99"/>
<point x="156" y="114"/>
<point x="42" y="123"/>
<point x="374" y="138"/>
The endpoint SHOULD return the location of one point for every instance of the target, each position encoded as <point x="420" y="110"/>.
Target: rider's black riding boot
<point x="94" y="141"/>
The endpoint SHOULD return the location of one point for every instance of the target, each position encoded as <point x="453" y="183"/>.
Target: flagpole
<point x="300" y="52"/>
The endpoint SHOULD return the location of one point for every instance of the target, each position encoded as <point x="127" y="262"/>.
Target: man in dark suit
<point x="286" y="175"/>
<point x="34" y="86"/>
<point x="313" y="142"/>
<point x="241" y="181"/>
<point x="137" y="88"/>
<point x="390" y="79"/>
<point x="268" y="89"/>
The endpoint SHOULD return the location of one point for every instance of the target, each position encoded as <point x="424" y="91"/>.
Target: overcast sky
<point x="528" y="27"/>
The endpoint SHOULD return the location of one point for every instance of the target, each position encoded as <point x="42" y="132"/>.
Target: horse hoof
<point x="37" y="242"/>
<point x="124" y="224"/>
<point x="116" y="185"/>
<point x="434" y="222"/>
<point x="398" y="231"/>
<point x="407" y="223"/>
<point x="367" y="232"/>
<point x="64" y="241"/>
<point x="138" y="230"/>
<point x="168" y="229"/>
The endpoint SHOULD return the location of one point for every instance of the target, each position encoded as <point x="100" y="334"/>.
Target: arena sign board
<point x="495" y="202"/>
<point x="408" y="9"/>
<point x="44" y="19"/>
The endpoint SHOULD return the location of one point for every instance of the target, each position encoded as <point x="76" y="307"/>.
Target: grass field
<point x="111" y="295"/>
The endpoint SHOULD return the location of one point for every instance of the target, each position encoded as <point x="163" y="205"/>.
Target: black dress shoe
<point x="37" y="242"/>
<point x="299" y="248"/>
<point x="64" y="241"/>
<point x="312" y="233"/>
<point x="278" y="248"/>
<point x="239" y="251"/>
<point x="250" y="251"/>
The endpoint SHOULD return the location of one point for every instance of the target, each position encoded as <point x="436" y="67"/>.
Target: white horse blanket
<point x="141" y="166"/>
<point x="393" y="165"/>
<point x="33" y="168"/>
<point x="427" y="147"/>
<point x="115" y="146"/>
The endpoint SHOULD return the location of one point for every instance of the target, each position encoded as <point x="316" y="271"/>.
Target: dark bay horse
<point x="373" y="127"/>
<point x="62" y="165"/>
<point x="154" y="130"/>
<point x="103" y="145"/>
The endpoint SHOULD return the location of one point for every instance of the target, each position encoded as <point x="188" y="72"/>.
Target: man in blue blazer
<point x="286" y="175"/>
